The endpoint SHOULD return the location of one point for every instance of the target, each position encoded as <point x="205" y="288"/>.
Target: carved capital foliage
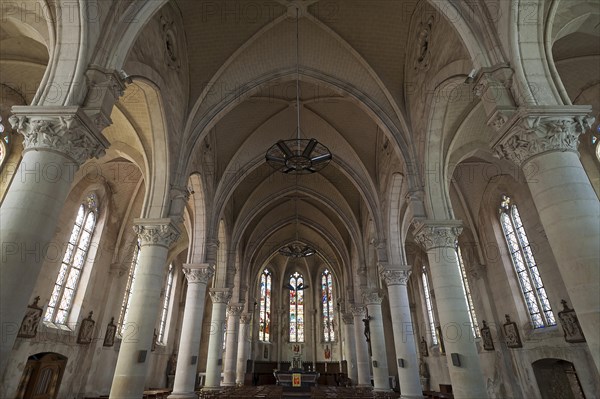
<point x="156" y="231"/>
<point x="436" y="234"/>
<point x="348" y="318"/>
<point x="66" y="130"/>
<point x="395" y="277"/>
<point x="199" y="275"/>
<point x="235" y="310"/>
<point x="358" y="310"/>
<point x="535" y="134"/>
<point x="245" y="318"/>
<point x="372" y="297"/>
<point x="220" y="296"/>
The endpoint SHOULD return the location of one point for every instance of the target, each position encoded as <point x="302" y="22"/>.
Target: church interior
<point x="278" y="198"/>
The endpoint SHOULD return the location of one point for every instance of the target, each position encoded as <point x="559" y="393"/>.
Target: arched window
<point x="296" y="308"/>
<point x="128" y="287"/>
<point x="328" y="307"/>
<point x="166" y="303"/>
<point x="429" y="306"/>
<point x="530" y="280"/>
<point x="73" y="262"/>
<point x="467" y="292"/>
<point x="264" y="329"/>
<point x="4" y="143"/>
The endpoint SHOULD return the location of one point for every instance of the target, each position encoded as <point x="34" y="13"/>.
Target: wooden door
<point x="42" y="376"/>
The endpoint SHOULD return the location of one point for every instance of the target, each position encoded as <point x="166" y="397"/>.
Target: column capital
<point x="198" y="273"/>
<point x="358" y="310"/>
<point x="245" y="318"/>
<point x="348" y="318"/>
<point x="372" y="296"/>
<point x="395" y="274"/>
<point x="66" y="130"/>
<point x="156" y="231"/>
<point x="220" y="295"/>
<point x="235" y="310"/>
<point x="432" y="234"/>
<point x="533" y="131"/>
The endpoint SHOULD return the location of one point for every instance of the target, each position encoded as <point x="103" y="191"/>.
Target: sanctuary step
<point x="279" y="392"/>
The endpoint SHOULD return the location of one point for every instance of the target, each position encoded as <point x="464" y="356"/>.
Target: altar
<point x="296" y="378"/>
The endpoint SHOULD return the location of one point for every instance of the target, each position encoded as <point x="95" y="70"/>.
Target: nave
<point x="194" y="193"/>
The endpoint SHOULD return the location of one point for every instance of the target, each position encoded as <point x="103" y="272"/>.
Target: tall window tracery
<point x="429" y="306"/>
<point x="296" y="307"/>
<point x="530" y="281"/>
<point x="129" y="287"/>
<point x="162" y="327"/>
<point x="74" y="259"/>
<point x="327" y="306"/>
<point x="467" y="293"/>
<point x="264" y="329"/>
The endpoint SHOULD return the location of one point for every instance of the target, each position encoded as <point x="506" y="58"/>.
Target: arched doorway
<point x="557" y="379"/>
<point x="41" y="376"/>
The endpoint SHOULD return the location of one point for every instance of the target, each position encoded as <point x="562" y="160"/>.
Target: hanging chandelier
<point x="298" y="156"/>
<point x="296" y="249"/>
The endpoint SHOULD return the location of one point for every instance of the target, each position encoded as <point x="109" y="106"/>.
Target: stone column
<point x="243" y="348"/>
<point x="198" y="276"/>
<point x="439" y="240"/>
<point x="372" y="300"/>
<point x="313" y="329"/>
<point x="219" y="297"/>
<point x="543" y="142"/>
<point x="350" y="347"/>
<point x="156" y="236"/>
<point x="231" y="345"/>
<point x="396" y="278"/>
<point x="363" y="360"/>
<point x="57" y="141"/>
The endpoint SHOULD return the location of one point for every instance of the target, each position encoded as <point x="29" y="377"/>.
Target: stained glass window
<point x="296" y="308"/>
<point x="525" y="266"/>
<point x="129" y="287"/>
<point x="467" y="292"/>
<point x="264" y="329"/>
<point x="327" y="306"/>
<point x="74" y="259"/>
<point x="166" y="302"/>
<point x="429" y="306"/>
<point x="4" y="143"/>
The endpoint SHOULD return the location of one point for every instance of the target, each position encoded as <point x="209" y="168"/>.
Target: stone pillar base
<point x="183" y="395"/>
